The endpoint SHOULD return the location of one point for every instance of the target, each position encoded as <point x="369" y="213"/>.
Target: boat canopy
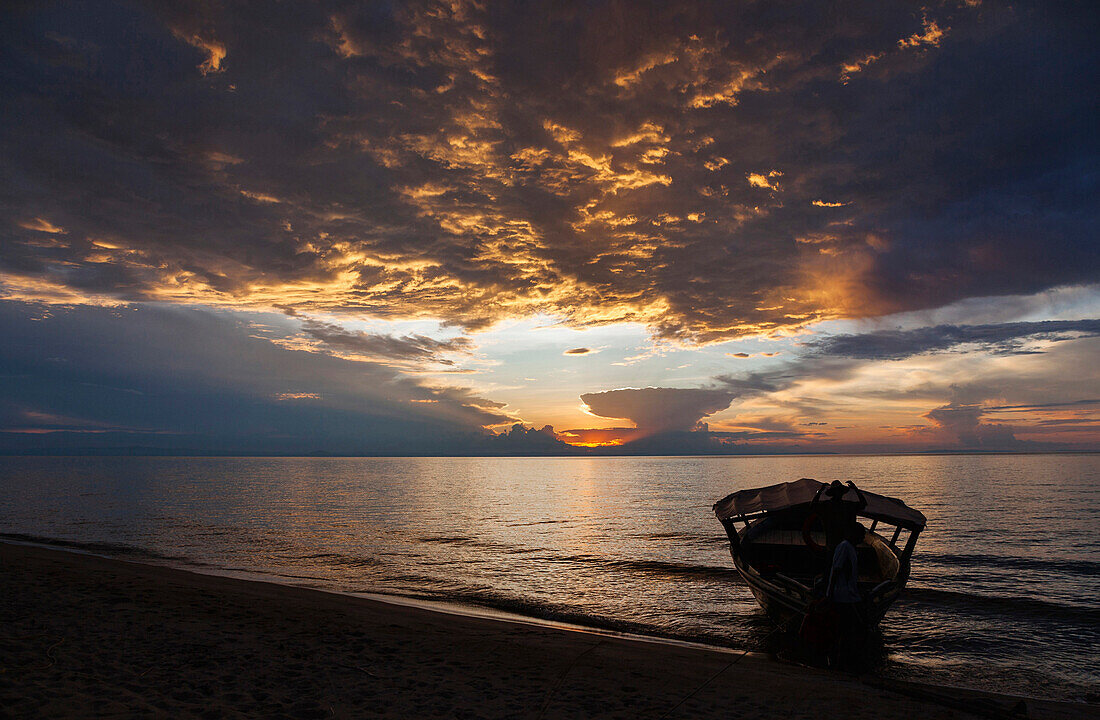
<point x="802" y="492"/>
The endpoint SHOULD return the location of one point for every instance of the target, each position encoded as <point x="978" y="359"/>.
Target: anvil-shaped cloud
<point x="655" y="409"/>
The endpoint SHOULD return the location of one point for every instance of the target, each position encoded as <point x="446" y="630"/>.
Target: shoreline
<point x="91" y="635"/>
<point x="447" y="607"/>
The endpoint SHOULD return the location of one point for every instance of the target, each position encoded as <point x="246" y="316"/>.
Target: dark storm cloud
<point x="710" y="169"/>
<point x="901" y="344"/>
<point x="175" y="377"/>
<point x="963" y="424"/>
<point x="413" y="347"/>
<point x="837" y="357"/>
<point x="658" y="409"/>
<point x="1048" y="406"/>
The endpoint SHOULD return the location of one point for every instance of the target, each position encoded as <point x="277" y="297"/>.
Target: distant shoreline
<point x="155" y="452"/>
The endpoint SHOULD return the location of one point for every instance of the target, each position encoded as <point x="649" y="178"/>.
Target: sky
<point x="520" y="227"/>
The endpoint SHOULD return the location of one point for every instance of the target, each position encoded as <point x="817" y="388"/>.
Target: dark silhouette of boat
<point x="780" y="549"/>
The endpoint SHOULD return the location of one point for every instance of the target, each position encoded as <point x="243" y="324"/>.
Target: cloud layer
<point x="838" y="356"/>
<point x="708" y="169"/>
<point x="378" y="346"/>
<point x="999" y="337"/>
<point x="1003" y="386"/>
<point x="188" y="379"/>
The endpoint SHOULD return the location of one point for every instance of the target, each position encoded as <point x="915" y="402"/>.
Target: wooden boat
<point x="780" y="548"/>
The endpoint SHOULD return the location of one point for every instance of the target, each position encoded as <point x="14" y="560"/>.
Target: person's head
<point x="856" y="534"/>
<point x="835" y="490"/>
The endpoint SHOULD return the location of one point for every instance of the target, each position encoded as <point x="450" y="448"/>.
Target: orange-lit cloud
<point x="469" y="164"/>
<point x="933" y="387"/>
<point x="214" y="50"/>
<point x="40" y="225"/>
<point x="769" y="180"/>
<point x="930" y="34"/>
<point x="849" y="69"/>
<point x="599" y="437"/>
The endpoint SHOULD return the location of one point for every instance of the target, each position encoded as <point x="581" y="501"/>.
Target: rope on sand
<point x="561" y="678"/>
<point x="713" y="677"/>
<point x="49" y="655"/>
<point x="709" y="680"/>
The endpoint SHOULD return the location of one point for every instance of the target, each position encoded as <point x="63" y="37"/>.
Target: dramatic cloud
<point x="286" y="218"/>
<point x="1048" y="406"/>
<point x="187" y="379"/>
<point x="838" y="356"/>
<point x="963" y="424"/>
<point x="899" y="344"/>
<point x="376" y="346"/>
<point x="711" y="170"/>
<point x="654" y="410"/>
<point x="1008" y="386"/>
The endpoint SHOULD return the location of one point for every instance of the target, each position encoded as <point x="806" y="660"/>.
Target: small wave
<point x="461" y="541"/>
<point x="1000" y="604"/>
<point x="338" y="559"/>
<point x="1071" y="567"/>
<point x="99" y="548"/>
<point x="536" y="522"/>
<point x="706" y="541"/>
<point x="670" y="535"/>
<point x="654" y="567"/>
<point x="449" y="540"/>
<point x="555" y="613"/>
<point x="662" y="567"/>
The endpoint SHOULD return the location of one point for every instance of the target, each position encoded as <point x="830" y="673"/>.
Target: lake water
<point x="1005" y="590"/>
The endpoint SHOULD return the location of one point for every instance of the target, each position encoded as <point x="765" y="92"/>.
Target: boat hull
<point x="787" y="603"/>
<point x="788" y="610"/>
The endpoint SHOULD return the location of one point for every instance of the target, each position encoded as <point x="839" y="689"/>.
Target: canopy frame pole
<point x="731" y="531"/>
<point x="910" y="544"/>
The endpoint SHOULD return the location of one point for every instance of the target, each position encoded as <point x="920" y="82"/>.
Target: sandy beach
<point x="84" y="636"/>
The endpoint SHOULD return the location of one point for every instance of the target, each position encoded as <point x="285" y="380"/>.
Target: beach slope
<point x="84" y="636"/>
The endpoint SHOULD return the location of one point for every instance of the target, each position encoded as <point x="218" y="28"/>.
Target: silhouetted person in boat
<point x="844" y="594"/>
<point x="839" y="515"/>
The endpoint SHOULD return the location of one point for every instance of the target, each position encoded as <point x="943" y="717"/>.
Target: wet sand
<point x="82" y="636"/>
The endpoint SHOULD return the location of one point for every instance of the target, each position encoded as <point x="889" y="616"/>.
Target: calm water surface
<point x="1005" y="591"/>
